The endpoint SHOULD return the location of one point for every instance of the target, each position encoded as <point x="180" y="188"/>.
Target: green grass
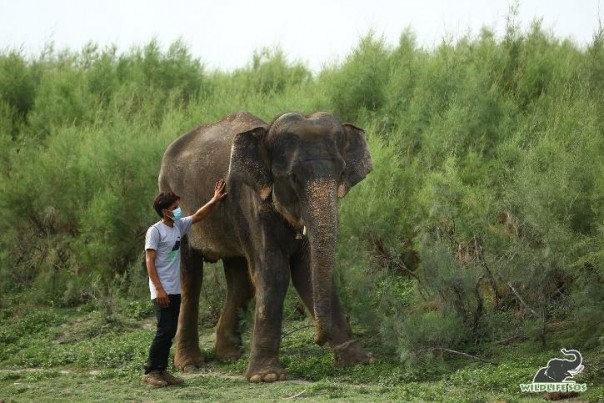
<point x="76" y="355"/>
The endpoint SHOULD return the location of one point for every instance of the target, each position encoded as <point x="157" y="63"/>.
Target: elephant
<point x="558" y="370"/>
<point x="278" y="222"/>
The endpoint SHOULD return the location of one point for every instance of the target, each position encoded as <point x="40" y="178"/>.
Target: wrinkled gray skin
<point x="280" y="178"/>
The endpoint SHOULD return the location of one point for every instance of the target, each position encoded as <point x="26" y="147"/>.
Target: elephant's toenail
<point x="270" y="377"/>
<point x="189" y="369"/>
<point x="282" y="377"/>
<point x="256" y="379"/>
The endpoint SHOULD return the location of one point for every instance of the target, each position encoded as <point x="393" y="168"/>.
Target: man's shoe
<point x="155" y="379"/>
<point x="171" y="379"/>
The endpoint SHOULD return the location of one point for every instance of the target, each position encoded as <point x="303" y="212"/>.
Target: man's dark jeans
<point x="167" y="322"/>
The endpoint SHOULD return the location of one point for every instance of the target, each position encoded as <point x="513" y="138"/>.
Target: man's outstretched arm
<point x="219" y="194"/>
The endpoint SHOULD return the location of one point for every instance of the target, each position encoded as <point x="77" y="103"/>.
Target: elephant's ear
<point x="356" y="155"/>
<point x="249" y="161"/>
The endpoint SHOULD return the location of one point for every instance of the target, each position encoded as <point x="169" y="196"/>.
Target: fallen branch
<point x="295" y="330"/>
<point x="510" y="339"/>
<point x="448" y="350"/>
<point x="295" y="396"/>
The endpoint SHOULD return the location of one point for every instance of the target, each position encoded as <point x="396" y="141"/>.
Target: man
<point x="162" y="256"/>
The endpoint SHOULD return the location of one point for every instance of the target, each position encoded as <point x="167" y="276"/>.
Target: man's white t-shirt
<point x="165" y="241"/>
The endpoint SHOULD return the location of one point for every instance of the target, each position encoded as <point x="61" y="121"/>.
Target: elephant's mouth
<point x="297" y="223"/>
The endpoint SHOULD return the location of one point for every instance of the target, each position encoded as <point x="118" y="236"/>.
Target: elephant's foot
<point x="351" y="353"/>
<point x="226" y="351"/>
<point x="188" y="360"/>
<point x="265" y="371"/>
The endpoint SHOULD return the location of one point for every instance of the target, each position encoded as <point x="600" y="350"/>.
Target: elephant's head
<point x="302" y="165"/>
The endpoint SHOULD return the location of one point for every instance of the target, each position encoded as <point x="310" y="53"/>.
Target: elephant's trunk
<point x="577" y="360"/>
<point x="321" y="221"/>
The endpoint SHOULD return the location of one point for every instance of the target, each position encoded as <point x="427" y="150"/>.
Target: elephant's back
<point x="203" y="154"/>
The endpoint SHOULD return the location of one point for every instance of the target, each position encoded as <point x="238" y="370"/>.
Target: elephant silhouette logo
<point x="561" y="370"/>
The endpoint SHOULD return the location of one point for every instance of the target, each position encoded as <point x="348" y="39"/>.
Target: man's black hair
<point x="163" y="201"/>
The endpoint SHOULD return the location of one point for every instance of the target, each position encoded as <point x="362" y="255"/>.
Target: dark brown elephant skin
<point x="278" y="222"/>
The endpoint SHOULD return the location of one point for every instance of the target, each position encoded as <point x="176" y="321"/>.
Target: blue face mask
<point x="176" y="214"/>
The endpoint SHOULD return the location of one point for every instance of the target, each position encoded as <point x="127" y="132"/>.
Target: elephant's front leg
<point x="188" y="356"/>
<point x="271" y="279"/>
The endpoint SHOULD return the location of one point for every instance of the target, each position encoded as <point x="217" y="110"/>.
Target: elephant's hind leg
<point x="188" y="355"/>
<point x="239" y="294"/>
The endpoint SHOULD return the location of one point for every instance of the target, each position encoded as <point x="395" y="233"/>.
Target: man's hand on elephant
<point x="220" y="190"/>
<point x="219" y="194"/>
